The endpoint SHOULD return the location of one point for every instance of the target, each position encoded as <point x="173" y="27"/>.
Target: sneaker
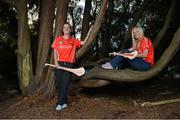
<point x="107" y="66"/>
<point x="63" y="106"/>
<point x="60" y="107"/>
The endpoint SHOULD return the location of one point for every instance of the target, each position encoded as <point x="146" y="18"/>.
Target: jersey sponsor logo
<point x="65" y="46"/>
<point x="60" y="42"/>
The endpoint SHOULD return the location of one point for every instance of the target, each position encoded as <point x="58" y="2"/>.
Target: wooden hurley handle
<point x="78" y="71"/>
<point x="130" y="55"/>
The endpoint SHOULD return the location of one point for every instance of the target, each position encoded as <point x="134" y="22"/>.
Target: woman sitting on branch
<point x="140" y="56"/>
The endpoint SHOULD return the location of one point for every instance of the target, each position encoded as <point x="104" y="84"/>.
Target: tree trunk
<point x="45" y="33"/>
<point x="91" y="79"/>
<point x="61" y="16"/>
<point x="86" y="19"/>
<point x="24" y="66"/>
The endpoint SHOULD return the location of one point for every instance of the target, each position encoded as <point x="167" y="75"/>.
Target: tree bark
<point x="45" y="33"/>
<point x="61" y="16"/>
<point x="131" y="75"/>
<point x="86" y="19"/>
<point x="24" y="66"/>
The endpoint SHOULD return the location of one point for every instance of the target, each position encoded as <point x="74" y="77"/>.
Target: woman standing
<point x="64" y="55"/>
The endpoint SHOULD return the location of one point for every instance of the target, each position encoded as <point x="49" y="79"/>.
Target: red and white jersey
<point x="147" y="44"/>
<point x="66" y="48"/>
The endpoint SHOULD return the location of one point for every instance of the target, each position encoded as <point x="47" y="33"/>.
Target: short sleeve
<point x="55" y="45"/>
<point x="77" y="43"/>
<point x="145" y="43"/>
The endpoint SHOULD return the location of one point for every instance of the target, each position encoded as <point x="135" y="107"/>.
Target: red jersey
<point x="66" y="48"/>
<point x="147" y="44"/>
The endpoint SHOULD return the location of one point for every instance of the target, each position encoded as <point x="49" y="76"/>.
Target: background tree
<point x="45" y="36"/>
<point x="86" y="19"/>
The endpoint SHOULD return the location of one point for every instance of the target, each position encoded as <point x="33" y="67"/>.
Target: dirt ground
<point x="118" y="100"/>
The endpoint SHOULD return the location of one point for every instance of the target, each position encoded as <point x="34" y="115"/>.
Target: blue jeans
<point x="136" y="63"/>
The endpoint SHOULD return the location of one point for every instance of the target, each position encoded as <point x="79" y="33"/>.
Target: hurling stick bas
<point x="131" y="55"/>
<point x="78" y="71"/>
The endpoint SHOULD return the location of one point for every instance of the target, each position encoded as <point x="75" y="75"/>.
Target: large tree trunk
<point x="85" y="26"/>
<point x="92" y="79"/>
<point x="86" y="19"/>
<point x="45" y="33"/>
<point x="61" y="16"/>
<point x="25" y="73"/>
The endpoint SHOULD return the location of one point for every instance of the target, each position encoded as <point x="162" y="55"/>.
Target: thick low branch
<point x="126" y="75"/>
<point x="94" y="83"/>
